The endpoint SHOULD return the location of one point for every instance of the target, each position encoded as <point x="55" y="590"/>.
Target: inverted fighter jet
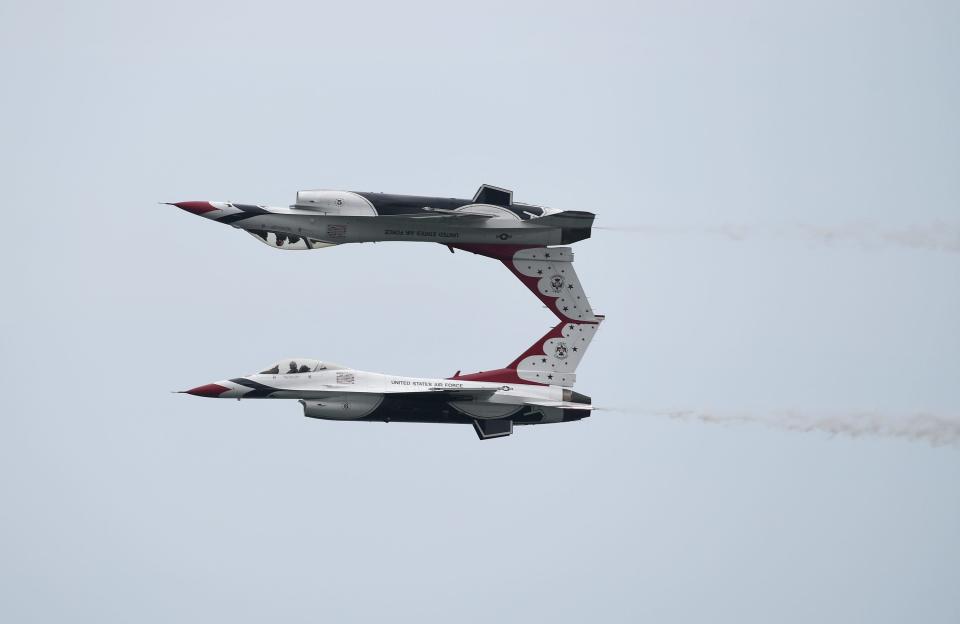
<point x="536" y="388"/>
<point x="326" y="218"/>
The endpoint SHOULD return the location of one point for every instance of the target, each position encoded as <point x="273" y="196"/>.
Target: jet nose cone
<point x="208" y="390"/>
<point x="195" y="207"/>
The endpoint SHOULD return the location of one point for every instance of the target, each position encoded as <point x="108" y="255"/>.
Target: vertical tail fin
<point x="552" y="360"/>
<point x="548" y="273"/>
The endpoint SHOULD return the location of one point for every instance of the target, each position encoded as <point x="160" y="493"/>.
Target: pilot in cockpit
<point x="299" y="366"/>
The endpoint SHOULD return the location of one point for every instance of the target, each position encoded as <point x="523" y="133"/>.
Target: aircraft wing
<point x="464" y="394"/>
<point x="428" y="213"/>
<point x="453" y="394"/>
<point x="443" y="213"/>
<point x="443" y="394"/>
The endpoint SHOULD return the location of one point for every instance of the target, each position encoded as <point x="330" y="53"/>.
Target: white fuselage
<point x="320" y="229"/>
<point x="347" y="394"/>
<point x="323" y="383"/>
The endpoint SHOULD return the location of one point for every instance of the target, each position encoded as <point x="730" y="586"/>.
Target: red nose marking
<point x="209" y="390"/>
<point x="196" y="207"/>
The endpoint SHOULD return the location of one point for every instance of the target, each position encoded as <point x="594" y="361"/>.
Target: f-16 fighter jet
<point x="536" y="388"/>
<point x="326" y="218"/>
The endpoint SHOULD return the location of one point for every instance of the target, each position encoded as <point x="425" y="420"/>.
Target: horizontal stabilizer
<point x="493" y="196"/>
<point x="561" y="405"/>
<point x="498" y="428"/>
<point x="568" y="219"/>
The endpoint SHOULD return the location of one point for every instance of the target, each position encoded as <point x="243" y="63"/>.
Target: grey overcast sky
<point x="121" y="502"/>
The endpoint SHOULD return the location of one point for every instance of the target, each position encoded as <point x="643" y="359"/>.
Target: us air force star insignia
<point x="556" y="283"/>
<point x="561" y="351"/>
<point x="503" y="236"/>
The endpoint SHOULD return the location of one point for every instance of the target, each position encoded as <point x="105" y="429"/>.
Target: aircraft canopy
<point x="291" y="366"/>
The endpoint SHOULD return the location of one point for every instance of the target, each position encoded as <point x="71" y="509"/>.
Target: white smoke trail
<point x="936" y="429"/>
<point x="938" y="236"/>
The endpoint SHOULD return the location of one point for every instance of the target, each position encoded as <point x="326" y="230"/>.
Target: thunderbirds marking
<point x="326" y="218"/>
<point x="533" y="389"/>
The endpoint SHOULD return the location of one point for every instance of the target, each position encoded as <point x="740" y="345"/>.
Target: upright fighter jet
<point x="535" y="388"/>
<point x="326" y="218"/>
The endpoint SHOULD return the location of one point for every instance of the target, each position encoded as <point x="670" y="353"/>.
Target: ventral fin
<point x="487" y="429"/>
<point x="493" y="195"/>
